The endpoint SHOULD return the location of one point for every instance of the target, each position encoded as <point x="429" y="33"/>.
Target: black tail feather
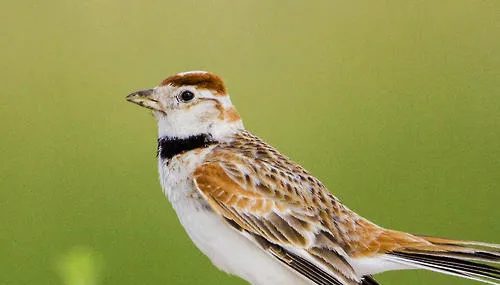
<point x="459" y="265"/>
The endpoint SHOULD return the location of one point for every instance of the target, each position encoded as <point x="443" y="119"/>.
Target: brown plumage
<point x="263" y="192"/>
<point x="246" y="188"/>
<point x="200" y="80"/>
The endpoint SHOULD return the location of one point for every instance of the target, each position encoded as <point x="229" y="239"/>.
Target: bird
<point x="259" y="215"/>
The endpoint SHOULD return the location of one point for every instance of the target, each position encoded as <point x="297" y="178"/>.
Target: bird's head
<point x="189" y="104"/>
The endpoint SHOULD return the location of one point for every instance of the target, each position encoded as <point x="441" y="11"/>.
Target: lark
<point x="258" y="215"/>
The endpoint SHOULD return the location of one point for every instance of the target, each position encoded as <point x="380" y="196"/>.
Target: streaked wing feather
<point x="282" y="220"/>
<point x="299" y="264"/>
<point x="291" y="215"/>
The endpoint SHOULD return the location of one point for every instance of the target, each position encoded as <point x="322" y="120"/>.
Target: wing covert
<point x="272" y="209"/>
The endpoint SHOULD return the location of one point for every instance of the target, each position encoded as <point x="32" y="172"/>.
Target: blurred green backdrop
<point x="394" y="105"/>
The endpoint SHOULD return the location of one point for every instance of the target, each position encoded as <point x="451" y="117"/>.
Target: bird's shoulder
<point x="256" y="165"/>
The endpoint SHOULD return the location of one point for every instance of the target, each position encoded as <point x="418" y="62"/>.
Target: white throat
<point x="182" y="126"/>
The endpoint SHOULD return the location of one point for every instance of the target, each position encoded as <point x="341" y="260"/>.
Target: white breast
<point x="227" y="248"/>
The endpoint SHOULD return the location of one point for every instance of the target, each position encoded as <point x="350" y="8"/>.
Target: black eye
<point x="187" y="96"/>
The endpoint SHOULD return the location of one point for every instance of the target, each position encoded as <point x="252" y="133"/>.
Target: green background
<point x="394" y="105"/>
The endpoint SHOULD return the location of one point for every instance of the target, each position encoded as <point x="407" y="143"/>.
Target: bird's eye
<point x="187" y="96"/>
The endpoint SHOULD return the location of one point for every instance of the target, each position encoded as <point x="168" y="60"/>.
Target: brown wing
<point x="279" y="226"/>
<point x="291" y="215"/>
<point x="284" y="209"/>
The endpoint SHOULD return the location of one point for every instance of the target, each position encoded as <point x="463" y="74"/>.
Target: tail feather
<point x="459" y="258"/>
<point x="443" y="241"/>
<point x="469" y="250"/>
<point x="458" y="265"/>
<point x="483" y="256"/>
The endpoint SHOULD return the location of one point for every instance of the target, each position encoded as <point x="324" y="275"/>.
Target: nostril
<point x="145" y="93"/>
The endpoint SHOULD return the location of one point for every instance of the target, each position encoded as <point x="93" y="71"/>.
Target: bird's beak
<point x="144" y="98"/>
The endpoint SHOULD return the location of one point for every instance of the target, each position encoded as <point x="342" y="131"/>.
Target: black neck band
<point x="169" y="147"/>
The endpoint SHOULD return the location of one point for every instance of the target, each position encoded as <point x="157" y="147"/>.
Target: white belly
<point x="228" y="249"/>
